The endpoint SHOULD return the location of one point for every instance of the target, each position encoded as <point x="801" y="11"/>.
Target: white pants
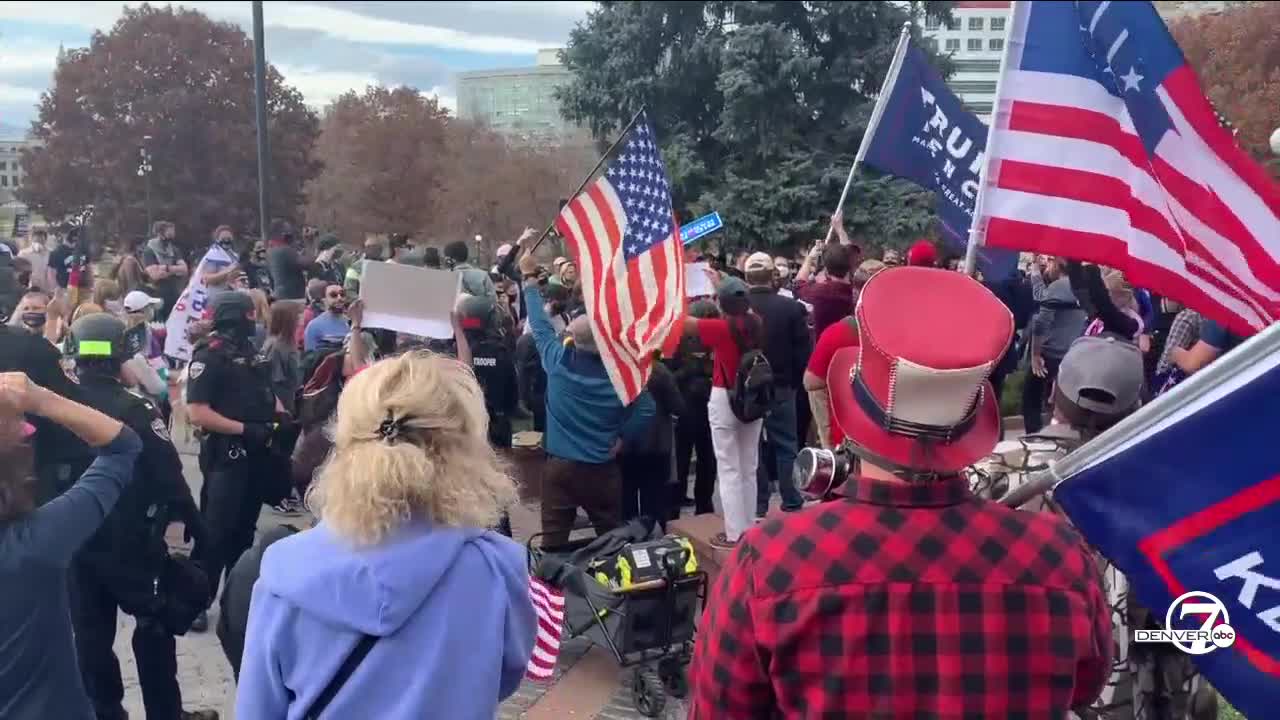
<point x="737" y="447"/>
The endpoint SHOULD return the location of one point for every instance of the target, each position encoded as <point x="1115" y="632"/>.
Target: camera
<point x="818" y="473"/>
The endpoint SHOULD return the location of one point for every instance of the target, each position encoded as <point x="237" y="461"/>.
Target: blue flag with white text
<point x="1193" y="506"/>
<point x="926" y="136"/>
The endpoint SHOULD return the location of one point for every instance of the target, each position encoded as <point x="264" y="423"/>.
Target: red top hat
<point x="914" y="392"/>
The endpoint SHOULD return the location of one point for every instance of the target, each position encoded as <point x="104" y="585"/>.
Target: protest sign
<point x="408" y="299"/>
<point x="697" y="281"/>
<point x="701" y="227"/>
<point x="192" y="303"/>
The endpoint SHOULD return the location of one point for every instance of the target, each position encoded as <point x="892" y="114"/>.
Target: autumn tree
<point x="382" y="151"/>
<point x="187" y="82"/>
<point x="759" y="107"/>
<point x="395" y="161"/>
<point x="1236" y="53"/>
<point x="496" y="188"/>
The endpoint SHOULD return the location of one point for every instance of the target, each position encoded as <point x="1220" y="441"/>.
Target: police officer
<point x="126" y="564"/>
<point x="494" y="365"/>
<point x="229" y="397"/>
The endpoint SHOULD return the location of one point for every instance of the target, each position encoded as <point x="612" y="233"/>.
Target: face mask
<point x="34" y="319"/>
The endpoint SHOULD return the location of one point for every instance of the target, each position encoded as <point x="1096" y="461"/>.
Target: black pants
<point x="230" y="500"/>
<point x="1034" y="394"/>
<point x="693" y="434"/>
<point x="154" y="650"/>
<point x="646" y="486"/>
<point x="804" y="417"/>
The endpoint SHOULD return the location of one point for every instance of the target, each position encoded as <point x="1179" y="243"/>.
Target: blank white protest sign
<point x="409" y="299"/>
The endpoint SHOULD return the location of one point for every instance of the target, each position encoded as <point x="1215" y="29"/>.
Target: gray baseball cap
<point x="1102" y="375"/>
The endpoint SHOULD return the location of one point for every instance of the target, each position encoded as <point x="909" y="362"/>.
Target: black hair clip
<point x="391" y="428"/>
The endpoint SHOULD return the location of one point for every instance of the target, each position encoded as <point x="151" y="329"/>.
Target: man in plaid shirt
<point x="910" y="597"/>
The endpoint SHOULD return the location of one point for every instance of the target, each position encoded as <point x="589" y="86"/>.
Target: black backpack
<point x="752" y="396"/>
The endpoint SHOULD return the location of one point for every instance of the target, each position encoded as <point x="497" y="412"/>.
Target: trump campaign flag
<point x="626" y="241"/>
<point x="922" y="133"/>
<point x="1184" y="497"/>
<point x="1104" y="148"/>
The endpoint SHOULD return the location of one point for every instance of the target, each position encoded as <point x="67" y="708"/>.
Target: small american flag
<point x="627" y="244"/>
<point x="1104" y="148"/>
<point x="548" y="604"/>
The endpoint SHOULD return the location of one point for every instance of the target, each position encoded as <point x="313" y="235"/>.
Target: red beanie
<point x="922" y="254"/>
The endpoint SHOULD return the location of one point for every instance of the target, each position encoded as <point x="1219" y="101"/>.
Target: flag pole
<point x="977" y="237"/>
<point x="895" y="67"/>
<point x="510" y="258"/>
<point x="1183" y="399"/>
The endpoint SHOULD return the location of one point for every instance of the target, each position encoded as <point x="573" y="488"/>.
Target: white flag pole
<point x="977" y="236"/>
<point x="895" y="66"/>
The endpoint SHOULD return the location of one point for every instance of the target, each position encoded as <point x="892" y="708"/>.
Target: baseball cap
<point x="730" y="288"/>
<point x="922" y="254"/>
<point x="1102" y="374"/>
<point x="758" y="261"/>
<point x="137" y="301"/>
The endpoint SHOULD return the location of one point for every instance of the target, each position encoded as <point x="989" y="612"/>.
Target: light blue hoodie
<point x="450" y="608"/>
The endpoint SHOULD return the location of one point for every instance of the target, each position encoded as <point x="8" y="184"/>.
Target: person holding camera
<point x="126" y="564"/>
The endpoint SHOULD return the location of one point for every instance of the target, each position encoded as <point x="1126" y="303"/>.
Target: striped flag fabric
<point x="1104" y="148"/>
<point x="548" y="605"/>
<point x="626" y="241"/>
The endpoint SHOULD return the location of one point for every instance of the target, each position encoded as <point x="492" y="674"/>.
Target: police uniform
<point x="494" y="365"/>
<point x="125" y="565"/>
<point x="227" y="375"/>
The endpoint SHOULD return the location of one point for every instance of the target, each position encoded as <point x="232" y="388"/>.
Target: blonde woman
<point x="399" y="570"/>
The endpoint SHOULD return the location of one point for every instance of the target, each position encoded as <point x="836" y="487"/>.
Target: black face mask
<point x="34" y="319"/>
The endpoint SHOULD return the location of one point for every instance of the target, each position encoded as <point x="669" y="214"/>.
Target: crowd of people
<point x="906" y="596"/>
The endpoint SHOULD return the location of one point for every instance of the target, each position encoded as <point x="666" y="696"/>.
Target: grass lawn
<point x="1226" y="712"/>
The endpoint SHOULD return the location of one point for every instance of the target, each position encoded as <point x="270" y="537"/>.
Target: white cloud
<point x="338" y="23"/>
<point x="320" y="87"/>
<point x="23" y="57"/>
<point x="18" y="94"/>
<point x="444" y="97"/>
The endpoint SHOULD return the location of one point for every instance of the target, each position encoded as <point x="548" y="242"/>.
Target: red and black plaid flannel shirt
<point x="904" y="601"/>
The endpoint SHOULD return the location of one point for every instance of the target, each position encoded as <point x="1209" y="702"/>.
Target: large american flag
<point x="1104" y="148"/>
<point x="626" y="241"/>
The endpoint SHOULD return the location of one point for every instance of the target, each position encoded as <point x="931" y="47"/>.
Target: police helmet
<point x="100" y="336"/>
<point x="477" y="312"/>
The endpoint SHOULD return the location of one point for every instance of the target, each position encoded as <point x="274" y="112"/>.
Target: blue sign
<point x="704" y="225"/>
<point x="926" y="136"/>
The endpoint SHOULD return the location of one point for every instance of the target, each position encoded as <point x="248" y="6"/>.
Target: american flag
<point x="626" y="241"/>
<point x="548" y="605"/>
<point x="1104" y="148"/>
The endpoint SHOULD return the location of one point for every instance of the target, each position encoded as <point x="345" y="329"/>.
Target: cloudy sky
<point x="323" y="48"/>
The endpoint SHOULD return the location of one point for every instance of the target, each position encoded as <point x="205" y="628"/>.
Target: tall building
<point x="11" y="173"/>
<point x="518" y="102"/>
<point x="974" y="40"/>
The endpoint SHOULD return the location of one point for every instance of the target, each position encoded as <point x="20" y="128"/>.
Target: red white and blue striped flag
<point x="626" y="242"/>
<point x="1104" y="148"/>
<point x="548" y="606"/>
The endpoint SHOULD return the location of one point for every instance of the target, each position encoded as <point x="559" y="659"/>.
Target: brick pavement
<point x="207" y="682"/>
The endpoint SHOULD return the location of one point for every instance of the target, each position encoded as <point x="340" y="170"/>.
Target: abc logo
<point x="1223" y="636"/>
